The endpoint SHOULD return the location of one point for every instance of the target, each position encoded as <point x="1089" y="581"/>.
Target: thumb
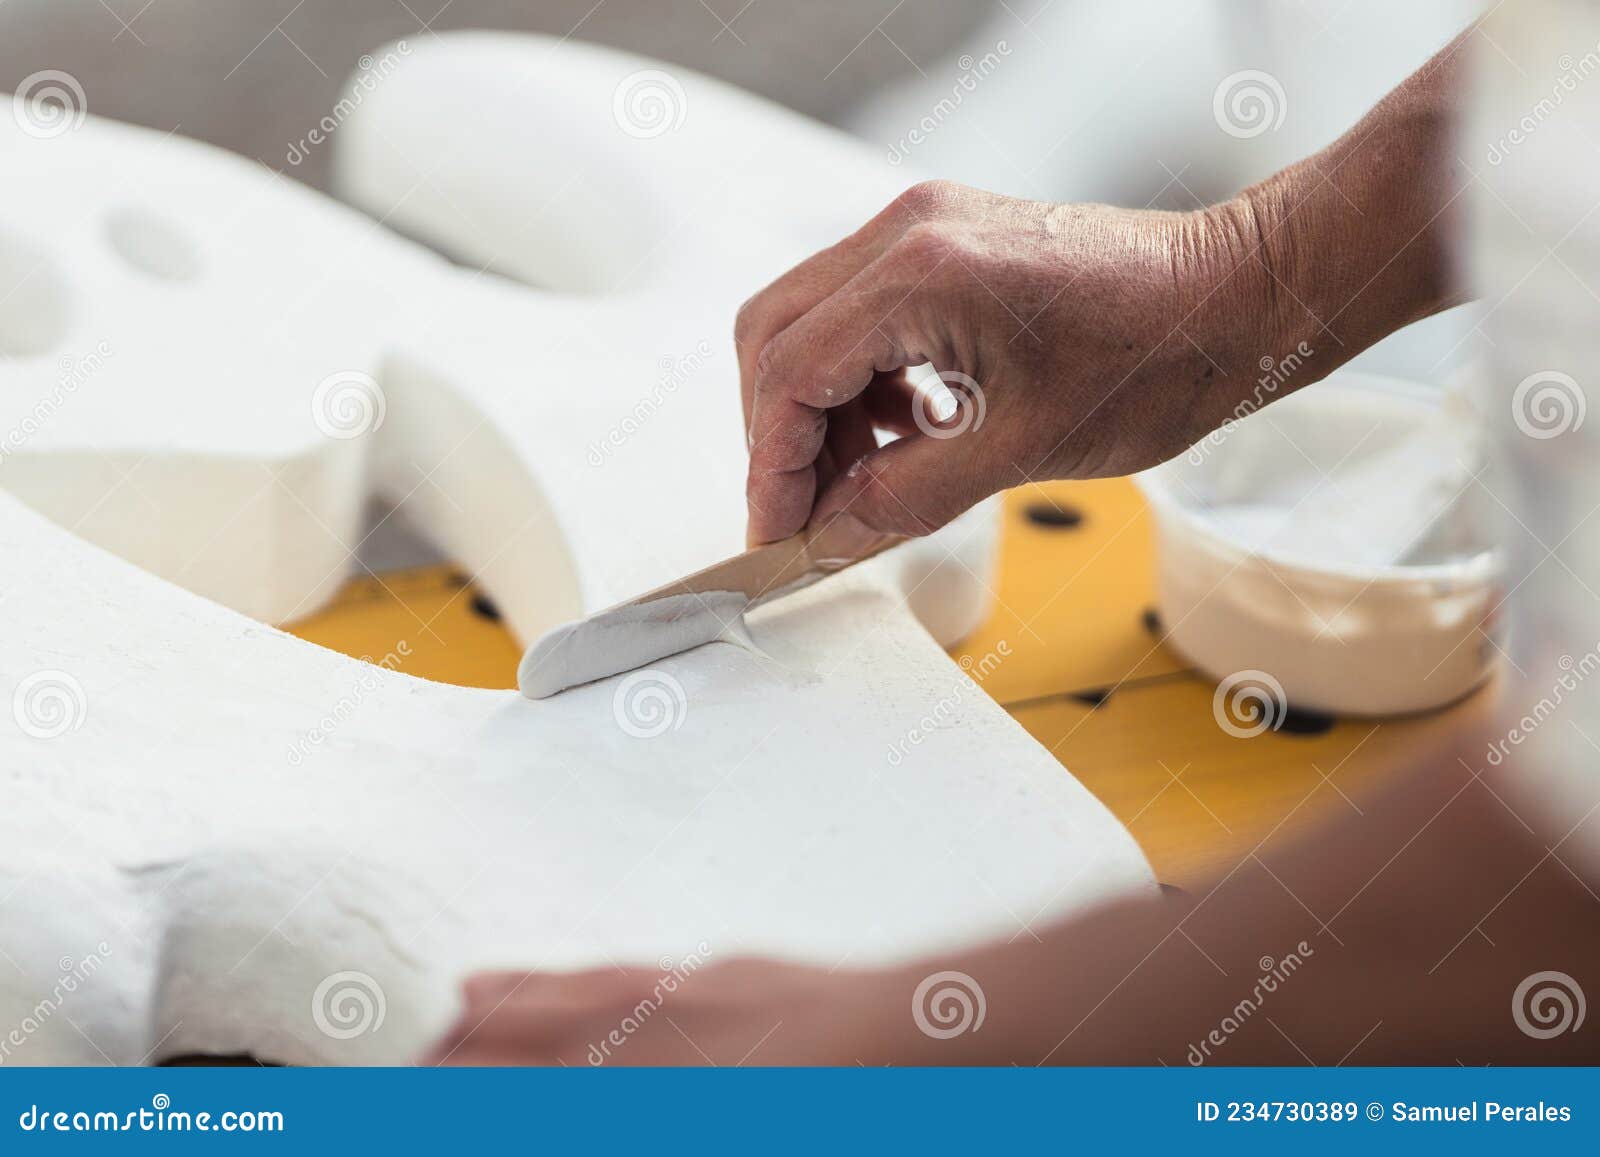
<point x="912" y="486"/>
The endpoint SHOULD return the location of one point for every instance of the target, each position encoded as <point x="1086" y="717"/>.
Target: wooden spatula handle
<point x="764" y="570"/>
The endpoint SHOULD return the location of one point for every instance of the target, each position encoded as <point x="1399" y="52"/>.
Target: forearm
<point x="1343" y="248"/>
<point x="1397" y="935"/>
<point x="1360" y="238"/>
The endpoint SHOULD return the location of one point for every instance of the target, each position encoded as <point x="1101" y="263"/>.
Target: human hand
<point x="1123" y="983"/>
<point x="744" y="1012"/>
<point x="1078" y="340"/>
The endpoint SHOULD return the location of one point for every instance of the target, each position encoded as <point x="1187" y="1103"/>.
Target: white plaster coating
<point x="627" y="637"/>
<point x="225" y="817"/>
<point x="1407" y="504"/>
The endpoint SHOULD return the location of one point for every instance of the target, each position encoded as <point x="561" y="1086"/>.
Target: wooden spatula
<point x="693" y="610"/>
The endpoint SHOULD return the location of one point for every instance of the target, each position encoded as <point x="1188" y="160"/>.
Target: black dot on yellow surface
<point x="1297" y="721"/>
<point x="483" y="607"/>
<point x="1152" y="621"/>
<point x="1053" y="515"/>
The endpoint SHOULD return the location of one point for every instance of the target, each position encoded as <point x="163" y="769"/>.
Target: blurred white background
<point x="1106" y="100"/>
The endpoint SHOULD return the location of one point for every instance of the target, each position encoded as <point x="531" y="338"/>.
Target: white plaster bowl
<point x="1350" y="639"/>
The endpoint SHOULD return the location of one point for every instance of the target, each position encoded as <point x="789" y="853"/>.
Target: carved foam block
<point x="220" y="838"/>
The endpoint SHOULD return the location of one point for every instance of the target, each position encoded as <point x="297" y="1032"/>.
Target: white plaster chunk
<point x="231" y="840"/>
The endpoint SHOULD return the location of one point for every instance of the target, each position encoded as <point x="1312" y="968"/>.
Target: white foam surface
<point x="232" y="820"/>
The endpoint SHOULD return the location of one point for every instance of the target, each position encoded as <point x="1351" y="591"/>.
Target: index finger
<point x="807" y="285"/>
<point x="821" y="363"/>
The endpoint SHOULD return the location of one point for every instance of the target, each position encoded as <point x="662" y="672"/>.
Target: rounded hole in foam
<point x="34" y="300"/>
<point x="152" y="244"/>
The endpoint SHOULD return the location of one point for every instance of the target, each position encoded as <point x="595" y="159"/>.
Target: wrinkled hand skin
<point x="1093" y="334"/>
<point x="1102" y="340"/>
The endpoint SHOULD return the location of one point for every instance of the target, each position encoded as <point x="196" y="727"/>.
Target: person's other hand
<point x="743" y="1012"/>
<point x="1079" y="341"/>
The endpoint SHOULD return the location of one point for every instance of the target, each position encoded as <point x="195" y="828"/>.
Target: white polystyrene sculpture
<point x="219" y="838"/>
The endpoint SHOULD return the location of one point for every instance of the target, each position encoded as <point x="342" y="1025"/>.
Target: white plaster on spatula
<point x="590" y="649"/>
<point x="253" y="836"/>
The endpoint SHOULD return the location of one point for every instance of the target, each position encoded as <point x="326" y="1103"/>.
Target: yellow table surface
<point x="1082" y="668"/>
